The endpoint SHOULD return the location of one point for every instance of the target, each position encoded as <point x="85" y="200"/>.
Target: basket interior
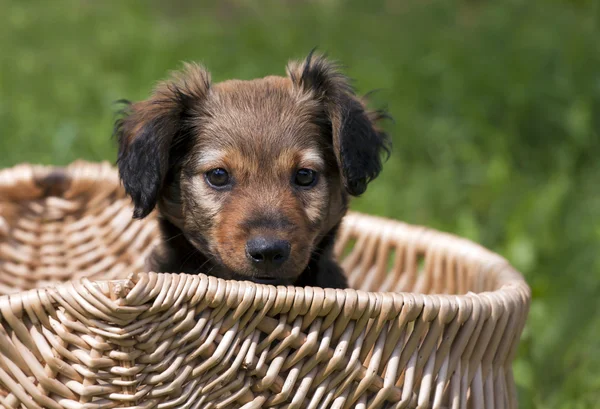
<point x="57" y="227"/>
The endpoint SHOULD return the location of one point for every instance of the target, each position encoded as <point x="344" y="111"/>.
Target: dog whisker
<point x="198" y="270"/>
<point x="190" y="255"/>
<point x="173" y="237"/>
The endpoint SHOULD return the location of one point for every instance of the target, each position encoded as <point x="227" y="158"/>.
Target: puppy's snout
<point x="267" y="253"/>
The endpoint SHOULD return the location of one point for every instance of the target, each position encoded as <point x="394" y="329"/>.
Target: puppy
<point x="251" y="178"/>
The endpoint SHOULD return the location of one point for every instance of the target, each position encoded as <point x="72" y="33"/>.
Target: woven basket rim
<point x="513" y="297"/>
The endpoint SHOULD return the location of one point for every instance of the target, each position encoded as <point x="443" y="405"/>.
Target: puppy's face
<point x="254" y="173"/>
<point x="260" y="180"/>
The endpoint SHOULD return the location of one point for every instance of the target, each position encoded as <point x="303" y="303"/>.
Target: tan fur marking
<point x="312" y="159"/>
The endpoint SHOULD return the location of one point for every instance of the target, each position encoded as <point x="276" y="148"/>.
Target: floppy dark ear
<point x="357" y="142"/>
<point x="148" y="130"/>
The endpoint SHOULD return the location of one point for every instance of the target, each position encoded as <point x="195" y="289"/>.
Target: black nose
<point x="267" y="253"/>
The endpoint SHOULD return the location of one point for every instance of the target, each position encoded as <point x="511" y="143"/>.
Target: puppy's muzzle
<point x="267" y="254"/>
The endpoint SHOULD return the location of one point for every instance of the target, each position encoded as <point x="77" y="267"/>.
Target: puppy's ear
<point x="357" y="142"/>
<point x="148" y="132"/>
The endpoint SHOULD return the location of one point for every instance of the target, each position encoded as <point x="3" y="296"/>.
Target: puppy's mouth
<point x="264" y="279"/>
<point x="270" y="280"/>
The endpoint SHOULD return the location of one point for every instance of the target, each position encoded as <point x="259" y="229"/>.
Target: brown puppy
<point x="251" y="178"/>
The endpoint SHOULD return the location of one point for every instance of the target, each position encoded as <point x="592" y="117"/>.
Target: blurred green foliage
<point x="497" y="123"/>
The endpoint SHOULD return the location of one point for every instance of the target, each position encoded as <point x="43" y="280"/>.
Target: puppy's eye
<point x="305" y="177"/>
<point x="217" y="177"/>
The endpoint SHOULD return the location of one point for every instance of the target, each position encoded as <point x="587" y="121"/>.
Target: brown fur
<point x="261" y="131"/>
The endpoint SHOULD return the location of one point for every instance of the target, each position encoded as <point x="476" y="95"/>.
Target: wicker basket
<point x="146" y="340"/>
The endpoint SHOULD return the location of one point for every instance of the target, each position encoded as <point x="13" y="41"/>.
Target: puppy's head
<point x="254" y="173"/>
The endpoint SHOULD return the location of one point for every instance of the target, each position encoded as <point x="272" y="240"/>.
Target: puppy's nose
<point x="267" y="253"/>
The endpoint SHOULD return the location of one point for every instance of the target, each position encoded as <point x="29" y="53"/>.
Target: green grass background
<point x="497" y="120"/>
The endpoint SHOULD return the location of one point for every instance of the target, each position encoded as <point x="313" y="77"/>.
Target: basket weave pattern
<point x="113" y="337"/>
